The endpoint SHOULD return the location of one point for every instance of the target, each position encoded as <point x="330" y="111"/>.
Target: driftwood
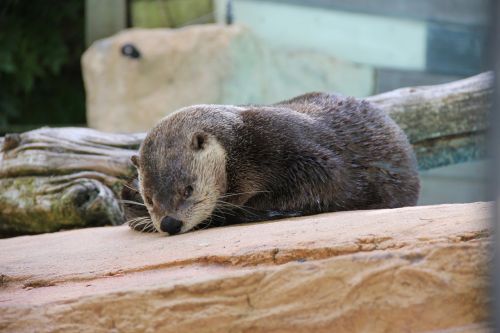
<point x="446" y="123"/>
<point x="57" y="178"/>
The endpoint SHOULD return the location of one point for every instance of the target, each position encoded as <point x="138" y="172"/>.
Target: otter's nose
<point x="170" y="225"/>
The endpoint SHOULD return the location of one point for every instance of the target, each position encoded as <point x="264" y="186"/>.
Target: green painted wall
<point x="170" y="13"/>
<point x="360" y="38"/>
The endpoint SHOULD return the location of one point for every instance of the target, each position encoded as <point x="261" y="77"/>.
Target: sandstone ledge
<point x="411" y="269"/>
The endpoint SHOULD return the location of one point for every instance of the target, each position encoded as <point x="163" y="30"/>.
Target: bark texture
<point x="446" y="123"/>
<point x="417" y="269"/>
<point x="57" y="178"/>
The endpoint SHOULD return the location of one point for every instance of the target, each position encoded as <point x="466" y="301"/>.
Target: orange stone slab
<point x="410" y="269"/>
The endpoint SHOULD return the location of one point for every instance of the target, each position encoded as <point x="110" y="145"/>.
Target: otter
<point x="209" y="165"/>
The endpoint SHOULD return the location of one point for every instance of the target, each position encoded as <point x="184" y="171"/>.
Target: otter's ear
<point x="135" y="161"/>
<point x="199" y="140"/>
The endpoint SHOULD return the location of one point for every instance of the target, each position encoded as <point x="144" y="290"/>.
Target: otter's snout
<point x="170" y="225"/>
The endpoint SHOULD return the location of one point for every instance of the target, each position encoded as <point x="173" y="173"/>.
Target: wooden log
<point x="59" y="178"/>
<point x="56" y="151"/>
<point x="35" y="204"/>
<point x="445" y="123"/>
<point x="415" y="269"/>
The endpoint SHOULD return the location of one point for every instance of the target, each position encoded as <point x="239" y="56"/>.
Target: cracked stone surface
<point x="401" y="270"/>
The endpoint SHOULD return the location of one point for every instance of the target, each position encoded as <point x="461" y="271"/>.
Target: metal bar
<point x="494" y="150"/>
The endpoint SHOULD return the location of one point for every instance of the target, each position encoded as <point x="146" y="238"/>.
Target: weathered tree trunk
<point x="446" y="123"/>
<point x="56" y="178"/>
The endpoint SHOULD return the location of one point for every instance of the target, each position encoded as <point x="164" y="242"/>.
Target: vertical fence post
<point x="104" y="18"/>
<point x="494" y="150"/>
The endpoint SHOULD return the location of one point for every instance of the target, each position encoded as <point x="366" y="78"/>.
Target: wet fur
<point x="311" y="154"/>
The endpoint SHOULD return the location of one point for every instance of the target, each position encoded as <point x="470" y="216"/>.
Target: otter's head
<point x="182" y="171"/>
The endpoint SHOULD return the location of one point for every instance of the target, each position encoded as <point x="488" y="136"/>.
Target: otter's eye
<point x="187" y="192"/>
<point x="148" y="200"/>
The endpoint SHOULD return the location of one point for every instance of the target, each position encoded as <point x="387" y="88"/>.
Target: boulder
<point x="170" y="69"/>
<point x="412" y="269"/>
<point x="138" y="76"/>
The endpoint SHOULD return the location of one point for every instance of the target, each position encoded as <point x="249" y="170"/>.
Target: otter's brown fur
<point x="314" y="153"/>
